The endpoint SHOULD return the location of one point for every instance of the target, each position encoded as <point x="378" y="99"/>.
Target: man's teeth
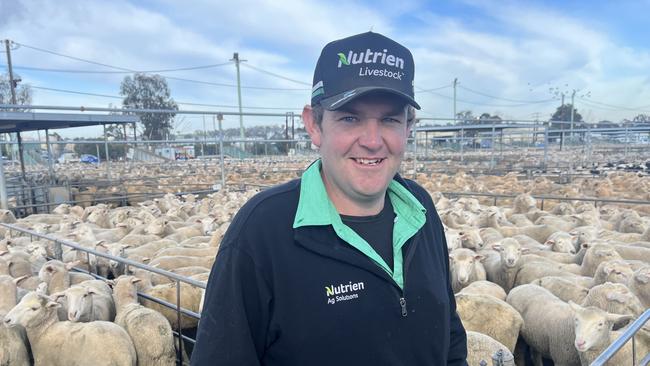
<point x="368" y="161"/>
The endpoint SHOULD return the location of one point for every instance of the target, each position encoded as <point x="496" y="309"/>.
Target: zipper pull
<point x="402" y="303"/>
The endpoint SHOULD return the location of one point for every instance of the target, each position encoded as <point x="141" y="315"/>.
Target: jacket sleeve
<point x="234" y="321"/>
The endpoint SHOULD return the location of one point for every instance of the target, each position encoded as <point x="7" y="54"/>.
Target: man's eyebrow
<point x="397" y="110"/>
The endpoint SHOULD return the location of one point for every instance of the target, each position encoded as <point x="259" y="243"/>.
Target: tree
<point x="641" y="119"/>
<point x="150" y="92"/>
<point x="563" y="114"/>
<point x="487" y="119"/>
<point x="23" y="91"/>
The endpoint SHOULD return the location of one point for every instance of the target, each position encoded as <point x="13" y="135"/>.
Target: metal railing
<point x="496" y="196"/>
<point x="616" y="346"/>
<point x="180" y="311"/>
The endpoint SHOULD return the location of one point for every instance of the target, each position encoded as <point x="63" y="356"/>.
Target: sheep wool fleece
<point x="284" y="292"/>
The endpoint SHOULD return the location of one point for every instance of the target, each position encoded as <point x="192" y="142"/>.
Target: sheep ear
<point x="497" y="247"/>
<point x="549" y="242"/>
<point x="91" y="291"/>
<point x="19" y="279"/>
<point x="57" y="295"/>
<point x="101" y="243"/>
<point x="135" y="280"/>
<point x="479" y="257"/>
<point x="52" y="304"/>
<point x="525" y="250"/>
<point x="3" y="252"/>
<point x="619" y="320"/>
<point x="50" y="268"/>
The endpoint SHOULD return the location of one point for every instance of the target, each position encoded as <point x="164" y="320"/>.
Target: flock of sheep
<point x="560" y="282"/>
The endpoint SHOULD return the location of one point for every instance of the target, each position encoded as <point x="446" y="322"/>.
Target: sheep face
<point x="80" y="303"/>
<point x="510" y="252"/>
<point x="463" y="263"/>
<point x="31" y="311"/>
<point x="593" y="326"/>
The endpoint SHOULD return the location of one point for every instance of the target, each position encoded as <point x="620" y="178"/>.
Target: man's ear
<point x="313" y="129"/>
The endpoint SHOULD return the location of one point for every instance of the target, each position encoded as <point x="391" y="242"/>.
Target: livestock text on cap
<point x="351" y="67"/>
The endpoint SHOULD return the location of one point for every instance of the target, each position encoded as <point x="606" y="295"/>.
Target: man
<point x="348" y="265"/>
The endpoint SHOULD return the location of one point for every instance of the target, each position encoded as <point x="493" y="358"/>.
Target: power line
<point x="615" y="107"/>
<point x="177" y="102"/>
<point x="274" y="74"/>
<point x="167" y="77"/>
<point x="506" y="99"/>
<point x="421" y="90"/>
<point x="72" y="71"/>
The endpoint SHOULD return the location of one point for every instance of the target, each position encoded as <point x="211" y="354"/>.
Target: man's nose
<point x="371" y="137"/>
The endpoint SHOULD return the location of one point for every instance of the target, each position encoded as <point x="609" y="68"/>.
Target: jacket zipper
<point x="402" y="303"/>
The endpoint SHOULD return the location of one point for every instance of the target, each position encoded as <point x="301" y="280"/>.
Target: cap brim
<point x="337" y="101"/>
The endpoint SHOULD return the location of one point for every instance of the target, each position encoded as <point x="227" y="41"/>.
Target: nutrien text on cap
<point x="354" y="66"/>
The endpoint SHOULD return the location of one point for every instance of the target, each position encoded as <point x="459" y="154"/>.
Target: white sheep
<point x="58" y="343"/>
<point x="490" y="316"/>
<point x="562" y="242"/>
<point x="150" y="331"/>
<point x="593" y="333"/>
<point x="565" y="289"/>
<point x="548" y="324"/>
<point x="502" y="269"/>
<point x="58" y="276"/>
<point x="88" y="301"/>
<point x="639" y="284"/>
<point x="14" y="348"/>
<point x="614" y="298"/>
<point x="615" y="271"/>
<point x="465" y="268"/>
<point x="595" y="255"/>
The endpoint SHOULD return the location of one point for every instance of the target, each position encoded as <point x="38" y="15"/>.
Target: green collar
<point x="316" y="209"/>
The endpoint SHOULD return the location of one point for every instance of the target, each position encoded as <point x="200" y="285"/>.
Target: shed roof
<point x="31" y="121"/>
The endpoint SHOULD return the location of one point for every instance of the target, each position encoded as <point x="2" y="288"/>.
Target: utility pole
<point x="573" y="94"/>
<point x="12" y="84"/>
<point x="455" y="83"/>
<point x="235" y="57"/>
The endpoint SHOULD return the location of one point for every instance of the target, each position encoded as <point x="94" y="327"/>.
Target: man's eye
<point x="348" y="119"/>
<point x="392" y="120"/>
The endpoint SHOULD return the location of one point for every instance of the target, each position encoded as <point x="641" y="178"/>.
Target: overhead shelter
<point x="18" y="122"/>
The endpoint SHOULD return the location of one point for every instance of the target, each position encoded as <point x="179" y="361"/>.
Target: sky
<point x="513" y="59"/>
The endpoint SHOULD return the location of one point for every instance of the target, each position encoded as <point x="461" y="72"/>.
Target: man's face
<point x="361" y="145"/>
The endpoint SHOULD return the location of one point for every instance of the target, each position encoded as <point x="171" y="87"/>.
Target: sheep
<point x="490" y="235"/>
<point x="88" y="301"/>
<point x="490" y="316"/>
<point x="548" y="324"/>
<point x="481" y="347"/>
<point x="615" y="271"/>
<point x="614" y="298"/>
<point x="633" y="252"/>
<point x="57" y="276"/>
<point x="190" y="300"/>
<point x="150" y="331"/>
<point x="453" y="239"/>
<point x="564" y="288"/>
<point x="65" y="343"/>
<point x="18" y="263"/>
<point x="465" y="268"/>
<point x="557" y="222"/>
<point x="14" y="349"/>
<point x="191" y="252"/>
<point x="531" y="270"/>
<point x="136" y="240"/>
<point x="561" y="242"/>
<point x="593" y="333"/>
<point x="502" y="269"/>
<point x="639" y="284"/>
<point x="596" y="255"/>
<point x="484" y="288"/>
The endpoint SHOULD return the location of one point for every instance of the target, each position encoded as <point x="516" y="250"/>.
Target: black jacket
<point x="279" y="296"/>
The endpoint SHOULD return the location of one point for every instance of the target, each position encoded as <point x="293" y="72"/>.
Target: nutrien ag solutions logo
<point x="336" y="293"/>
<point x="370" y="57"/>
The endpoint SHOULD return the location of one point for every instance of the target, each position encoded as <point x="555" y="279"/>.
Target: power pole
<point x="12" y="84"/>
<point x="455" y="83"/>
<point x="235" y="57"/>
<point x="573" y="94"/>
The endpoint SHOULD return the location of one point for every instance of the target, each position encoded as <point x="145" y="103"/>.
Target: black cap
<point x="351" y="67"/>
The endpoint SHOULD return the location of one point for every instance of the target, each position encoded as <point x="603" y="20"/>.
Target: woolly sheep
<point x="465" y="268"/>
<point x="596" y="255"/>
<point x="490" y="316"/>
<point x="639" y="284"/>
<point x="593" y="333"/>
<point x="65" y="343"/>
<point x="88" y="301"/>
<point x="548" y="324"/>
<point x="502" y="269"/>
<point x="614" y="298"/>
<point x="615" y="271"/>
<point x="58" y="277"/>
<point x="150" y="331"/>
<point x="14" y="349"/>
<point x="561" y="242"/>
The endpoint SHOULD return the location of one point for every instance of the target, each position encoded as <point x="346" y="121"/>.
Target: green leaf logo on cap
<point x="343" y="59"/>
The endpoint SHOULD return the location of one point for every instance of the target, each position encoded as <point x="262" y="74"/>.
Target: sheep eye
<point x="34" y="308"/>
<point x="600" y="324"/>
